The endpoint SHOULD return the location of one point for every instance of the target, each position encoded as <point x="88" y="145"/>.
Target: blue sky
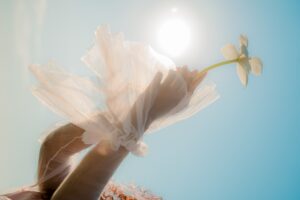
<point x="244" y="146"/>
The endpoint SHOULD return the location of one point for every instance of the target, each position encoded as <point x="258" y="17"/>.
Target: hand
<point x="158" y="99"/>
<point x="178" y="84"/>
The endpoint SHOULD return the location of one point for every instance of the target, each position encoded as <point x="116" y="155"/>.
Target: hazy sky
<point x="244" y="146"/>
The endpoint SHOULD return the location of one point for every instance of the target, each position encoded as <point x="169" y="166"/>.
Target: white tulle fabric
<point x="123" y="71"/>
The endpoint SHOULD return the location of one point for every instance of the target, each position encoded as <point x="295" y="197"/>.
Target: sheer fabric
<point x="123" y="70"/>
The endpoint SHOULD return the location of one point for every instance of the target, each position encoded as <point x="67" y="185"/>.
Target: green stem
<point x="226" y="62"/>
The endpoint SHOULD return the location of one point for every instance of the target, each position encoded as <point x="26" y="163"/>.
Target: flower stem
<point x="226" y="62"/>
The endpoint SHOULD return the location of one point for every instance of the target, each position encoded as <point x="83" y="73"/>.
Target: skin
<point x="89" y="178"/>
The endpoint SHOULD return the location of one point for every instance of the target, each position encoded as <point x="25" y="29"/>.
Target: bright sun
<point x="174" y="36"/>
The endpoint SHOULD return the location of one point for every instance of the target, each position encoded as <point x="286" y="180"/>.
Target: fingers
<point x="153" y="87"/>
<point x="198" y="78"/>
<point x="150" y="92"/>
<point x="146" y="99"/>
<point x="187" y="75"/>
<point x="157" y="78"/>
<point x="170" y="78"/>
<point x="192" y="78"/>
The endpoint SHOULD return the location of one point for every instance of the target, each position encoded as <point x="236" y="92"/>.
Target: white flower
<point x="245" y="64"/>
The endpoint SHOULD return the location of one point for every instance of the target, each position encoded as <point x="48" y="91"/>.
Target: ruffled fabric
<point x="123" y="71"/>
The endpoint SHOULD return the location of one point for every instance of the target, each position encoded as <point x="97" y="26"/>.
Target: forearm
<point x="55" y="153"/>
<point x="90" y="177"/>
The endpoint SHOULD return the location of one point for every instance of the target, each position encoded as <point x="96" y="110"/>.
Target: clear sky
<point x="244" y="146"/>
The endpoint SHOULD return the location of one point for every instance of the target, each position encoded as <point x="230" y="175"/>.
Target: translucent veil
<point x="123" y="71"/>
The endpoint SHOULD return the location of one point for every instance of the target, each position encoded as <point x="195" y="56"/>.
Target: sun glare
<point x="174" y="36"/>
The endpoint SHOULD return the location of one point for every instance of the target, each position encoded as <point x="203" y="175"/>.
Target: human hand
<point x="179" y="84"/>
<point x="160" y="97"/>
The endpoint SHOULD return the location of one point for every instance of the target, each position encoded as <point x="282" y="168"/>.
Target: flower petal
<point x="245" y="63"/>
<point x="243" y="40"/>
<point x="242" y="74"/>
<point x="244" y="45"/>
<point x="244" y="50"/>
<point x="230" y="52"/>
<point x="256" y="66"/>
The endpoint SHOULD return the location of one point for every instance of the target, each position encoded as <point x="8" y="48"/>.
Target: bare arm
<point x="88" y="180"/>
<point x="55" y="154"/>
<point x="90" y="177"/>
